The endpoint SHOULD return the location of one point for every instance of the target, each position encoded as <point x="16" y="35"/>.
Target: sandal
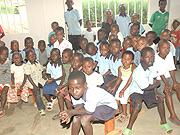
<point x="166" y="128"/>
<point x="127" y="131"/>
<point x="123" y="118"/>
<point x="49" y="106"/>
<point x="2" y="113"/>
<point x="56" y="117"/>
<point x="53" y="100"/>
<point x="42" y="113"/>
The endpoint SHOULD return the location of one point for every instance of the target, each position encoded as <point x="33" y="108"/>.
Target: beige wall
<point x="41" y="13"/>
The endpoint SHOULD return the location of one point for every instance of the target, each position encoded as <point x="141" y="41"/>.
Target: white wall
<point x="41" y="13"/>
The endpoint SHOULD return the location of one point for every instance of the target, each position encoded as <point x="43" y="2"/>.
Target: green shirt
<point x="159" y="21"/>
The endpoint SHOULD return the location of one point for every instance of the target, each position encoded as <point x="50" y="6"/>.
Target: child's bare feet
<point x="19" y="104"/>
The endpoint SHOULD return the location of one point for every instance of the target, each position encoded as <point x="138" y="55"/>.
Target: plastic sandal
<point x="42" y="113"/>
<point x="2" y="113"/>
<point x="49" y="106"/>
<point x="53" y="100"/>
<point x="123" y="118"/>
<point x="127" y="131"/>
<point x="56" y="117"/>
<point x="175" y="122"/>
<point x="166" y="127"/>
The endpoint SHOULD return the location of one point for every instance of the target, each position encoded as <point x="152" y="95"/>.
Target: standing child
<point x="89" y="34"/>
<point x="54" y="25"/>
<point x="42" y="53"/>
<point x="5" y="77"/>
<point x="83" y="44"/>
<point x="50" y="46"/>
<point x="55" y="74"/>
<point x="33" y="74"/>
<point x="90" y="104"/>
<point x="17" y="78"/>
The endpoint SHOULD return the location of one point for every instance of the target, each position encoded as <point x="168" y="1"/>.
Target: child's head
<point x="162" y="4"/>
<point x="76" y="61"/>
<point x="91" y="49"/>
<point x="67" y="55"/>
<point x="83" y="43"/>
<point x="135" y="17"/>
<point x="115" y="47"/>
<point x="54" y="25"/>
<point x="3" y="54"/>
<point x="163" y="48"/>
<point x="41" y="45"/>
<point x="77" y="84"/>
<point x="108" y="13"/>
<point x="127" y="58"/>
<point x="151" y="36"/>
<point x="31" y="56"/>
<point x="142" y="42"/>
<point x="127" y="43"/>
<point x="17" y="58"/>
<point x="88" y="24"/>
<point x="114" y="28"/>
<point x="134" y="39"/>
<point x="52" y="39"/>
<point x="135" y="28"/>
<point x="175" y="24"/>
<point x="28" y="41"/>
<point x="14" y="46"/>
<point x="112" y="36"/>
<point x="101" y="34"/>
<point x="2" y="43"/>
<point x="88" y="65"/>
<point x="165" y="34"/>
<point x="69" y="3"/>
<point x="147" y="56"/>
<point x="55" y="55"/>
<point x="104" y="48"/>
<point x="59" y="33"/>
<point x="122" y="9"/>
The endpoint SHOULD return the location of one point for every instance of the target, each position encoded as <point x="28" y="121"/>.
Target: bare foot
<point x="19" y="104"/>
<point x="175" y="121"/>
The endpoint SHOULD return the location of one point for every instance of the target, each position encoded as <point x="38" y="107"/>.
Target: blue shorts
<point x="49" y="88"/>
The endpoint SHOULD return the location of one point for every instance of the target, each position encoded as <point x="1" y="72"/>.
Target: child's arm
<point x="24" y="81"/>
<point x="155" y="84"/>
<point x="107" y="73"/>
<point x="35" y="88"/>
<point x="13" y="81"/>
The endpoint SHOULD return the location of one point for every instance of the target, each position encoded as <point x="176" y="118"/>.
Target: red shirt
<point x="1" y="31"/>
<point x="175" y="37"/>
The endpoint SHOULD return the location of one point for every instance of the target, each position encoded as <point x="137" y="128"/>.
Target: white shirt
<point x="89" y="35"/>
<point x="94" y="79"/>
<point x="18" y="72"/>
<point x="153" y="46"/>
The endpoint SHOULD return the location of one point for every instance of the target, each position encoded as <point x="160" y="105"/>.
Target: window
<point x="13" y="17"/>
<point x="94" y="10"/>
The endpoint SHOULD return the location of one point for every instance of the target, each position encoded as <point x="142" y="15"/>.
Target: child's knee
<point x="138" y="104"/>
<point x="76" y="120"/>
<point x="4" y="90"/>
<point x="85" y="119"/>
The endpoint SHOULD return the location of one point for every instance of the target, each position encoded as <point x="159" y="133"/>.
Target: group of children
<point x="96" y="81"/>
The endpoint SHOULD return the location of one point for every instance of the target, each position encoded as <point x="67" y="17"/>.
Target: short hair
<point x="13" y="42"/>
<point x="28" y="38"/>
<point x="115" y="25"/>
<point x="88" y="59"/>
<point x="162" y="1"/>
<point x="102" y="30"/>
<point x="145" y="49"/>
<point x="136" y="14"/>
<point x="54" y="23"/>
<point x="4" y="48"/>
<point x="116" y="40"/>
<point x="130" y="53"/>
<point x="134" y="35"/>
<point x="69" y="51"/>
<point x="109" y="10"/>
<point x="56" y="49"/>
<point x="162" y="41"/>
<point x="136" y="24"/>
<point x="122" y="5"/>
<point x="114" y="34"/>
<point x="77" y="75"/>
<point x="153" y="33"/>
<point x="167" y="30"/>
<point x="79" y="55"/>
<point x="52" y="35"/>
<point x="146" y="39"/>
<point x="104" y="43"/>
<point x="88" y="21"/>
<point x="60" y="29"/>
<point x="89" y="46"/>
<point x="2" y="42"/>
<point x="17" y="53"/>
<point x="28" y="50"/>
<point x="84" y="39"/>
<point x="41" y="41"/>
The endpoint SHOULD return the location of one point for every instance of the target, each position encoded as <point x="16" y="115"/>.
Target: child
<point x="50" y="46"/>
<point x="143" y="88"/>
<point x="2" y="43"/>
<point x="2" y="34"/>
<point x="167" y="77"/>
<point x="62" y="90"/>
<point x="89" y="34"/>
<point x="115" y="30"/>
<point x="83" y="44"/>
<point x="90" y="104"/>
<point x="17" y="78"/>
<point x="103" y="59"/>
<point x="123" y="21"/>
<point x="76" y="62"/>
<point x="15" y="48"/>
<point x="127" y="44"/>
<point x="101" y="36"/>
<point x="135" y="18"/>
<point x="151" y="36"/>
<point x="42" y="53"/>
<point x="55" y="74"/>
<point x="28" y="42"/>
<point x="110" y="83"/>
<point x="125" y="75"/>
<point x="134" y="39"/>
<point x="93" y="79"/>
<point x="33" y="74"/>
<point x="108" y="22"/>
<point x="112" y="36"/>
<point x="74" y="22"/>
<point x="5" y="77"/>
<point x="134" y="29"/>
<point x="61" y="43"/>
<point x="159" y="19"/>
<point x="54" y="25"/>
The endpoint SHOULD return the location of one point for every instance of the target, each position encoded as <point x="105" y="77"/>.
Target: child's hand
<point x="12" y="86"/>
<point x="160" y="96"/>
<point x="108" y="84"/>
<point x="65" y="92"/>
<point x="176" y="86"/>
<point x="35" y="89"/>
<point x="65" y="116"/>
<point x="49" y="81"/>
<point x="167" y="88"/>
<point x="4" y="72"/>
<point x="111" y="90"/>
<point x="121" y="94"/>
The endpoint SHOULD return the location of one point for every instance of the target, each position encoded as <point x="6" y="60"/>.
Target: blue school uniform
<point x="137" y="58"/>
<point x="103" y="64"/>
<point x="131" y="49"/>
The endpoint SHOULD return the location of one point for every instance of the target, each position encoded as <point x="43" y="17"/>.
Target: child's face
<point x="76" y="87"/>
<point x="52" y="40"/>
<point x="76" y="62"/>
<point x="83" y="44"/>
<point x="101" y="36"/>
<point x="29" y="44"/>
<point x="108" y="14"/>
<point x="104" y="49"/>
<point x="59" y="35"/>
<point x="122" y="10"/>
<point x="92" y="51"/>
<point x="41" y="46"/>
<point x="127" y="43"/>
<point x="134" y="29"/>
<point x="150" y="38"/>
<point x="164" y="49"/>
<point x="88" y="25"/>
<point x="55" y="56"/>
<point x="3" y="56"/>
<point x="114" y="30"/>
<point x="141" y="44"/>
<point x="31" y="57"/>
<point x="111" y="37"/>
<point x="17" y="59"/>
<point x="15" y="47"/>
<point x="69" y="3"/>
<point x="135" y="18"/>
<point x="148" y="58"/>
<point x="115" y="48"/>
<point x="175" y="24"/>
<point x="88" y="67"/>
<point x="54" y="26"/>
<point x="127" y="60"/>
<point x="66" y="57"/>
<point x="162" y="5"/>
<point x="135" y="42"/>
<point x="165" y="35"/>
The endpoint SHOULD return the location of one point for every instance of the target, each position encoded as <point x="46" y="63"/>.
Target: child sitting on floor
<point x="42" y="53"/>
<point x="90" y="104"/>
<point x="76" y="62"/>
<point x="127" y="45"/>
<point x="134" y="39"/>
<point x="83" y="44"/>
<point x="151" y="36"/>
<point x="112" y="36"/>
<point x="17" y="78"/>
<point x="143" y="88"/>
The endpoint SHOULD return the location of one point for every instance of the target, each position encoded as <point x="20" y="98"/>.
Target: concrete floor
<point x="27" y="121"/>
